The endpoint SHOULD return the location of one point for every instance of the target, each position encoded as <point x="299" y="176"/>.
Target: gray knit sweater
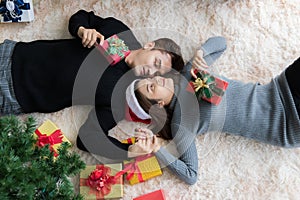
<point x="266" y="113"/>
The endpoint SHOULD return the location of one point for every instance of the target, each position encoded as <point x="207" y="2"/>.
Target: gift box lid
<point x="155" y="195"/>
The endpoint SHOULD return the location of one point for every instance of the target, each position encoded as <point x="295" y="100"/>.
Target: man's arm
<point x="92" y="136"/>
<point x="84" y="19"/>
<point x="106" y="26"/>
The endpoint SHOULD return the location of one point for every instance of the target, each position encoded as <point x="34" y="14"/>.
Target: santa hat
<point x="135" y="111"/>
<point x="130" y="116"/>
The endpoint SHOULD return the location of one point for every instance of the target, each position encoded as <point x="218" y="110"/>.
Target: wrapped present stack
<point x="142" y="168"/>
<point x="114" y="49"/>
<point x="16" y="11"/>
<point x="49" y="133"/>
<point x="101" y="182"/>
<point x="208" y="87"/>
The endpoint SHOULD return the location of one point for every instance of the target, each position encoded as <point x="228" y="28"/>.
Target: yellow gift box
<point x="49" y="133"/>
<point x="142" y="168"/>
<point x="101" y="182"/>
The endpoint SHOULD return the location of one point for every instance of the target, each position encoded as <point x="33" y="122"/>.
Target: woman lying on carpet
<point x="267" y="113"/>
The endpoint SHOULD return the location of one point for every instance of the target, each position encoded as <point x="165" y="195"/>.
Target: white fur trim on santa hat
<point x="133" y="103"/>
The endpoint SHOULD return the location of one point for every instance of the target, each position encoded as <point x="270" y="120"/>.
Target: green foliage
<point x="31" y="172"/>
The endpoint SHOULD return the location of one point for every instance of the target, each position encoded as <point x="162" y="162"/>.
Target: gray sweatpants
<point x="8" y="101"/>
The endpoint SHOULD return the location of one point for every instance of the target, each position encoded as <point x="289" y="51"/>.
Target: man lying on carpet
<point x="49" y="75"/>
<point x="267" y="113"/>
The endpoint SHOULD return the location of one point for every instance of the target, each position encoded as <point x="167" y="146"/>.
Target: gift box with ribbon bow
<point x="208" y="87"/>
<point x="101" y="182"/>
<point x="49" y="133"/>
<point x="141" y="169"/>
<point x="114" y="49"/>
<point x="16" y="11"/>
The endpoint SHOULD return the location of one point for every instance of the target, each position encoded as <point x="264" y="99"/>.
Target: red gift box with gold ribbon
<point x="101" y="182"/>
<point x="49" y="133"/>
<point x="208" y="87"/>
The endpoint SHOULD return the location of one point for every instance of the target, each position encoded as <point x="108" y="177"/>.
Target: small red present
<point x="157" y="195"/>
<point x="131" y="140"/>
<point x="101" y="182"/>
<point x="114" y="49"/>
<point x="208" y="87"/>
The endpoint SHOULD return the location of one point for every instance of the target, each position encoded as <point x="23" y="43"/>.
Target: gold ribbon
<point x="199" y="83"/>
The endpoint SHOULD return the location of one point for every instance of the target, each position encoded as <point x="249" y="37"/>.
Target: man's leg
<point x="292" y="75"/>
<point x="8" y="101"/>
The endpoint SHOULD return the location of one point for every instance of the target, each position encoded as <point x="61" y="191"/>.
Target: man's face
<point x="150" y="62"/>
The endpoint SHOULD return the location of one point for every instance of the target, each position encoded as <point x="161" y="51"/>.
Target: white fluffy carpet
<point x="262" y="37"/>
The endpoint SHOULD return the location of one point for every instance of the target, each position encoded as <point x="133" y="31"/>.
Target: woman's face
<point x="157" y="88"/>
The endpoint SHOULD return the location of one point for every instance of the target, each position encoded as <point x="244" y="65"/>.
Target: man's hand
<point x="198" y="62"/>
<point x="89" y="37"/>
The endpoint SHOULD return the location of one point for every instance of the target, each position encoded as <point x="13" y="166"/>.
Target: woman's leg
<point x="8" y="102"/>
<point x="292" y="74"/>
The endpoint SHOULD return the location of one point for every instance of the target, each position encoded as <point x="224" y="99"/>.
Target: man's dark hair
<point x="168" y="45"/>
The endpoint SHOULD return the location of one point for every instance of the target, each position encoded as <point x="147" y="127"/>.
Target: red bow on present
<point x="52" y="139"/>
<point x="100" y="181"/>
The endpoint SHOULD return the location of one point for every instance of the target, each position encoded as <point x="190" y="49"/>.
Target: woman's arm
<point x="213" y="48"/>
<point x="209" y="52"/>
<point x="185" y="165"/>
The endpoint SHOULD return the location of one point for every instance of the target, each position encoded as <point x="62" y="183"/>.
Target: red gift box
<point x="114" y="49"/>
<point x="210" y="88"/>
<point x="156" y="195"/>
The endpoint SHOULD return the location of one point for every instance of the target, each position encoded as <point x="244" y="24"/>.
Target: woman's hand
<point x="198" y="62"/>
<point x="89" y="37"/>
<point x="142" y="133"/>
<point x="144" y="146"/>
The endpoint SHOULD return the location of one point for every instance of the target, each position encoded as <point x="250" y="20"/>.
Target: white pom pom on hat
<point x="133" y="103"/>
